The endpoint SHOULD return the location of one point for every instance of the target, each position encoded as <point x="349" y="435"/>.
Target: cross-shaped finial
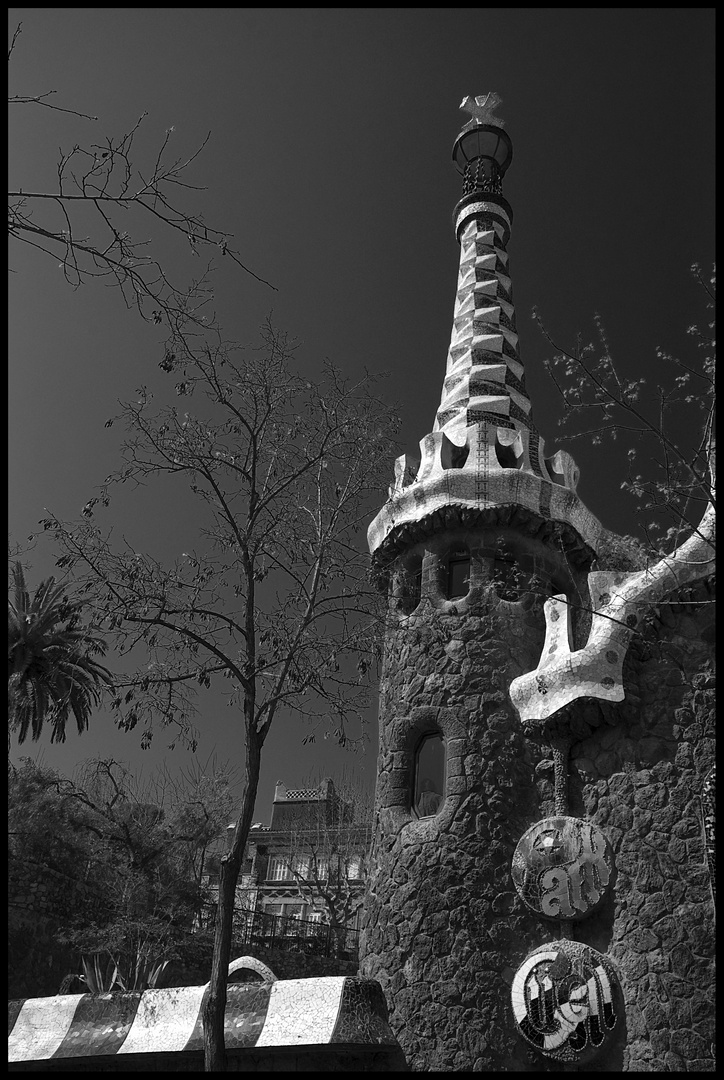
<point x="481" y="110"/>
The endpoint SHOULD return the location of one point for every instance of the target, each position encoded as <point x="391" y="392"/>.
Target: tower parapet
<point x="484" y="451"/>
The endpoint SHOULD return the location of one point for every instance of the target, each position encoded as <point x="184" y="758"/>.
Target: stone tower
<point x="490" y="919"/>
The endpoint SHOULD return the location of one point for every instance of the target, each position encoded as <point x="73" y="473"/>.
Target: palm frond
<point x="52" y="670"/>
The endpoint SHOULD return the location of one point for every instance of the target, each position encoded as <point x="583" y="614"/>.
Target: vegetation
<point x="666" y="427"/>
<point x="93" y="222"/>
<point x="52" y="670"/>
<point x="136" y="855"/>
<point x="271" y="608"/>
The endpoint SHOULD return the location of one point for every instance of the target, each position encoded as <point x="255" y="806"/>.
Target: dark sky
<point x="330" y="162"/>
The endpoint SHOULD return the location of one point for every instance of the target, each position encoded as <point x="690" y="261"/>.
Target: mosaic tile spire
<point x="484" y="379"/>
<point x="484" y="450"/>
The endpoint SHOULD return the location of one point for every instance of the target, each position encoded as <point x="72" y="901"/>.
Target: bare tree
<point x="274" y="604"/>
<point x="95" y="223"/>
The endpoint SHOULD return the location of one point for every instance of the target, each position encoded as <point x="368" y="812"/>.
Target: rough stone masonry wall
<point x="443" y="925"/>
<point x="641" y="781"/>
<point x="442" y="921"/>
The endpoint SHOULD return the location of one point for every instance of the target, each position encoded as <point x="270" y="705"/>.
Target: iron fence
<point x="269" y="931"/>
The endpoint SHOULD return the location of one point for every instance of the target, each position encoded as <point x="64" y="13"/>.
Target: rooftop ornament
<point x="482" y="151"/>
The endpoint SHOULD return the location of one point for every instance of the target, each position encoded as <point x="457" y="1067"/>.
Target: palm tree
<point x="51" y="670"/>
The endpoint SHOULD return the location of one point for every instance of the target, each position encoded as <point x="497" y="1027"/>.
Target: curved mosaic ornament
<point x="563" y="868"/>
<point x="565" y="999"/>
<point x="708" y="800"/>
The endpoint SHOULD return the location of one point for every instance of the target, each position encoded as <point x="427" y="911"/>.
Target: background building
<point x="302" y="879"/>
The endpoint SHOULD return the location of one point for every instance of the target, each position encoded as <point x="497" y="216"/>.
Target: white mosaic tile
<point x="41" y="1026"/>
<point x="164" y="1020"/>
<point x="482" y="207"/>
<point x="302" y="1011"/>
<point x="619" y="601"/>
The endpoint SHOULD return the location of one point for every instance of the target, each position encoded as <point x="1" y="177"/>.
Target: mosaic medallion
<point x="563" y="868"/>
<point x="565" y="999"/>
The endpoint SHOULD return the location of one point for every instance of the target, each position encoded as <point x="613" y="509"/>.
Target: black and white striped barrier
<point x="302" y="1013"/>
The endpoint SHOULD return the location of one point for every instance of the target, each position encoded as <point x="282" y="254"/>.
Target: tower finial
<point x="481" y="110"/>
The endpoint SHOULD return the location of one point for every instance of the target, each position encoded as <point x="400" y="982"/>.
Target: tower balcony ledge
<point x="494" y="469"/>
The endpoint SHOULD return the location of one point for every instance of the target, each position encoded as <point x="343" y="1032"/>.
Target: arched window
<point x="408" y="585"/>
<point x="452" y="456"/>
<point x="509" y="455"/>
<point x="458" y="573"/>
<point x="429" y="792"/>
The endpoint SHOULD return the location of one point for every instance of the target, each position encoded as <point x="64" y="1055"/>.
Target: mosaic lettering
<point x="563" y="1000"/>
<point x="563" y="868"/>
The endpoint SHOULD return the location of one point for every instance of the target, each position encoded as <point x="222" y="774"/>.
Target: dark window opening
<point x="429" y="793"/>
<point x="452" y="456"/>
<point x="458" y="574"/>
<point x="556" y="475"/>
<point x="509" y="455"/>
<point x="408" y="586"/>
<point x="410" y="471"/>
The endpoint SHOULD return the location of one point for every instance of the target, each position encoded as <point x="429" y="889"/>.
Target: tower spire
<point x="484" y="378"/>
<point x="484" y="450"/>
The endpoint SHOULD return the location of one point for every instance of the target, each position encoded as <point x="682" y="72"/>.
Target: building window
<point x="458" y="573"/>
<point x="354" y="868"/>
<point x="300" y="866"/>
<point x="278" y="869"/>
<point x="408" y="585"/>
<point x="509" y="455"/>
<point x="321" y="869"/>
<point x="429" y="793"/>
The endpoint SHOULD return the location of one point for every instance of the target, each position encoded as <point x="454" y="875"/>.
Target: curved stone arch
<point x="252" y="964"/>
<point x="397" y="782"/>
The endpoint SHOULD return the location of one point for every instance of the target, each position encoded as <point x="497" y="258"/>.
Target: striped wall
<point x="287" y="1013"/>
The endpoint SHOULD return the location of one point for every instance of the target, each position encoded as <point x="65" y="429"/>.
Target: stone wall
<point x="444" y="929"/>
<point x="640" y="778"/>
<point x="272" y="1059"/>
<point x="442" y="923"/>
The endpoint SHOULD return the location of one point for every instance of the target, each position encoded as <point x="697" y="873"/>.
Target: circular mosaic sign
<point x="563" y="868"/>
<point x="565" y="999"/>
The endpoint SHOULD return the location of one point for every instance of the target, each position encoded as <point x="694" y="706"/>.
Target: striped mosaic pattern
<point x="293" y="1012"/>
<point x="484" y="450"/>
<point x="484" y="379"/>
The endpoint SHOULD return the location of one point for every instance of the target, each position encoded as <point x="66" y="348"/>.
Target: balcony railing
<point x="261" y="929"/>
